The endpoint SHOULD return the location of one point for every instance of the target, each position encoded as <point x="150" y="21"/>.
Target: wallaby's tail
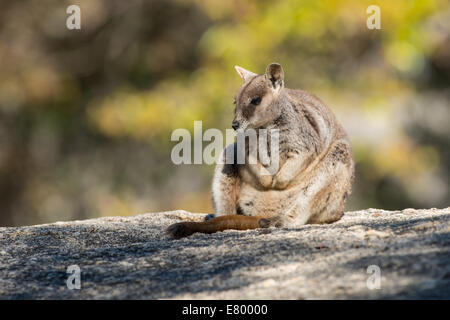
<point x="236" y="222"/>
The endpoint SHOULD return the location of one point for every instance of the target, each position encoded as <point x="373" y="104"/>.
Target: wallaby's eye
<point x="256" y="101"/>
<point x="234" y="101"/>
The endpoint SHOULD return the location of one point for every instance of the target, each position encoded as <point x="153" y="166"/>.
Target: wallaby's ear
<point x="275" y="76"/>
<point x="245" y="74"/>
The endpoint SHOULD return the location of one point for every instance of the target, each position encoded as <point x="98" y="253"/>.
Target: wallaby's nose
<point x="235" y="125"/>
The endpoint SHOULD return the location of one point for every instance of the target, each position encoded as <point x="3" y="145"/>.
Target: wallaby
<point x="316" y="169"/>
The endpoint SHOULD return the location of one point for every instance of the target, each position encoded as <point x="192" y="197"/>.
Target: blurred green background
<point x="86" y="115"/>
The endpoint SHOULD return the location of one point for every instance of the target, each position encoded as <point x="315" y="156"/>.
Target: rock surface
<point x="132" y="258"/>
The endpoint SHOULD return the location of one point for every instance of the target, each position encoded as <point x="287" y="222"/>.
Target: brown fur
<point x="236" y="222"/>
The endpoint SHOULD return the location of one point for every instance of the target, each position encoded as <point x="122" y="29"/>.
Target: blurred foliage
<point x="86" y="115"/>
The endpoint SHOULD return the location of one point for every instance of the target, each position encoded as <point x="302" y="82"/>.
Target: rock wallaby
<point x="315" y="171"/>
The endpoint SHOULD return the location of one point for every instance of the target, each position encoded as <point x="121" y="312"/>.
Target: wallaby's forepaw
<point x="210" y="216"/>
<point x="266" y="181"/>
<point x="180" y="230"/>
<point x="279" y="182"/>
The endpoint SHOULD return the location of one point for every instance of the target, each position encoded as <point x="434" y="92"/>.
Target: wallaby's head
<point x="256" y="99"/>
